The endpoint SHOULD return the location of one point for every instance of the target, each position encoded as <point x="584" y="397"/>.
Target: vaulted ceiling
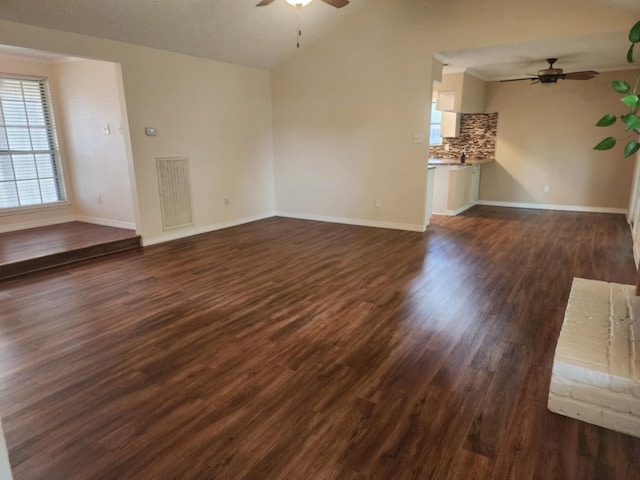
<point x="237" y="31"/>
<point x="234" y="31"/>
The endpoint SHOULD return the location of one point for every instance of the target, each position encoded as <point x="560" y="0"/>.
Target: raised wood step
<point x="30" y="250"/>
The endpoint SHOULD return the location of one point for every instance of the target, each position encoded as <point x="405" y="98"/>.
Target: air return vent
<point x="175" y="192"/>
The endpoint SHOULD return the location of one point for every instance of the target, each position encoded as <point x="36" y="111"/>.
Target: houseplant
<point x="631" y="99"/>
<point x="631" y="120"/>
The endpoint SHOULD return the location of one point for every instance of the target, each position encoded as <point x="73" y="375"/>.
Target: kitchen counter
<point x="456" y="161"/>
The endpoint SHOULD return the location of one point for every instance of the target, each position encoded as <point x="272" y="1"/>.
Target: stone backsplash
<point x="477" y="134"/>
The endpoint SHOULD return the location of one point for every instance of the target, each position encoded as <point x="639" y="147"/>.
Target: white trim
<point x="37" y="223"/>
<point x="636" y="255"/>
<point x="354" y="221"/>
<point x="5" y="466"/>
<point x="453" y="213"/>
<point x="5" y="212"/>
<point x="545" y="206"/>
<point x="189" y="232"/>
<point x="106" y="222"/>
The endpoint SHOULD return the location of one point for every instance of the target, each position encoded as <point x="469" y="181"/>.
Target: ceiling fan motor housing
<point x="549" y="75"/>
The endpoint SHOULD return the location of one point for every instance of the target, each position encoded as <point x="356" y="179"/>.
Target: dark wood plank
<point x="34" y="249"/>
<point x="293" y="349"/>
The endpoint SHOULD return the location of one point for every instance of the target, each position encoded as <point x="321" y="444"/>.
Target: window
<point x="29" y="158"/>
<point x="435" y="136"/>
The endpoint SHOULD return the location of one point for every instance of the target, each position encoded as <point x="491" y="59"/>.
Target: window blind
<point x="29" y="157"/>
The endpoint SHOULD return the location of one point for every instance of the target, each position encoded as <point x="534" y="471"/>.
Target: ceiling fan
<point x="551" y="74"/>
<point x="302" y="3"/>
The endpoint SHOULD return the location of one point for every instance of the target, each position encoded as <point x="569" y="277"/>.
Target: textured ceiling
<point x="503" y="62"/>
<point x="234" y="31"/>
<point x="597" y="52"/>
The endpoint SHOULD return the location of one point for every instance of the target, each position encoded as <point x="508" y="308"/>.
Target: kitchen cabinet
<point x="474" y="189"/>
<point x="456" y="188"/>
<point x="446" y="101"/>
<point x="461" y="92"/>
<point x="450" y="124"/>
<point x="431" y="175"/>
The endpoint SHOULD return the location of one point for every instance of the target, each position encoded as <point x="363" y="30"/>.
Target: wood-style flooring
<point x="288" y="349"/>
<point x="33" y="249"/>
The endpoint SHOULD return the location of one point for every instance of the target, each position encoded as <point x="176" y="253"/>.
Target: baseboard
<point x="45" y="222"/>
<point x="453" y="213"/>
<point x="353" y="221"/>
<point x="545" y="206"/>
<point x="189" y="232"/>
<point x="106" y="222"/>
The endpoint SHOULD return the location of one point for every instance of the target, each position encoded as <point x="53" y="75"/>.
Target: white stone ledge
<point x="596" y="369"/>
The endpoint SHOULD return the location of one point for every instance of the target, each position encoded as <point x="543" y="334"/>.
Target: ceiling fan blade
<point x="585" y="72"/>
<point x="586" y="75"/>
<point x="264" y="3"/>
<point x="519" y="79"/>
<point x="337" y="3"/>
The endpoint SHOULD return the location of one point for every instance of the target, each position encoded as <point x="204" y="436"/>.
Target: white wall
<point x="58" y="214"/>
<point x="87" y="100"/>
<point x="546" y="135"/>
<point x="345" y="107"/>
<point x="217" y="114"/>
<point x="345" y="110"/>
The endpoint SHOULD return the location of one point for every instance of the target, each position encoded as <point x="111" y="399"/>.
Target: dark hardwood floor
<point x="34" y="249"/>
<point x="286" y="349"/>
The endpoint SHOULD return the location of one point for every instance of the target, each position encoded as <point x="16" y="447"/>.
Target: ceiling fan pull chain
<point x="299" y="28"/>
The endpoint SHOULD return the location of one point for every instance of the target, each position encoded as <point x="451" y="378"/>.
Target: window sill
<point x="33" y="208"/>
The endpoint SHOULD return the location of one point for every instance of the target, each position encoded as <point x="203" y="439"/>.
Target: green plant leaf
<point x="621" y="86"/>
<point x="632" y="121"/>
<point x="631" y="148"/>
<point x="630" y="53"/>
<point x="634" y="33"/>
<point x="631" y="100"/>
<point x="606" y="144"/>
<point x="607" y="120"/>
<point x="625" y="118"/>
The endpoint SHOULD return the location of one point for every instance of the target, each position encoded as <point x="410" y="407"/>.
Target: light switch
<point x="106" y="128"/>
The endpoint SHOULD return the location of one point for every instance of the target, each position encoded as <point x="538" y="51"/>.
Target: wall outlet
<point x="547" y="189"/>
<point x="378" y="203"/>
<point x="227" y="202"/>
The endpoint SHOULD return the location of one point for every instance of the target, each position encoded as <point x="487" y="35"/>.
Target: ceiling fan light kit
<point x="302" y="3"/>
<point x="299" y="3"/>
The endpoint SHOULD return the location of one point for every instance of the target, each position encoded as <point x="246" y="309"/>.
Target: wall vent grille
<point x="174" y="184"/>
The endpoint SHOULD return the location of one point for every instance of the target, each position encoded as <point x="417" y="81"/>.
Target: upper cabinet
<point x="450" y="126"/>
<point x="460" y="92"/>
<point x="446" y="101"/>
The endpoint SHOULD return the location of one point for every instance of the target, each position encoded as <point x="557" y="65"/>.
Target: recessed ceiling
<point x="234" y="31"/>
<point x="503" y="62"/>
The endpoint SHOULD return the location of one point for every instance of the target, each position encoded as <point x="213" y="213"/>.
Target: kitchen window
<point x="30" y="172"/>
<point x="435" y="135"/>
